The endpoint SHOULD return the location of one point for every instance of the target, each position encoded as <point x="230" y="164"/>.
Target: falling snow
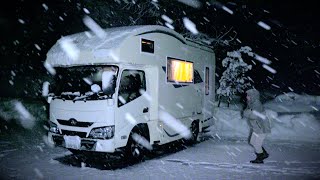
<point x="87" y="80"/>
<point x="169" y="25"/>
<point x="145" y="94"/>
<point x="190" y="25"/>
<point x="290" y="88"/>
<point x="264" y="25"/>
<point x="262" y="59"/>
<point x="270" y="69"/>
<point x="167" y="19"/>
<point x="69" y="48"/>
<point x="94" y="27"/>
<point x="26" y="119"/>
<point x="223" y="150"/>
<point x="45" y="88"/>
<point x="49" y="68"/>
<point x="192" y="3"/>
<point x="262" y="116"/>
<point x="130" y="118"/>
<point x="37" y="46"/>
<point x="38" y="173"/>
<point x="86" y="10"/>
<point x="142" y="141"/>
<point x="174" y="124"/>
<point x="21" y="21"/>
<point x="227" y="9"/>
<point x="11" y="82"/>
<point x="122" y="100"/>
<point x="107" y="79"/>
<point x="45" y="6"/>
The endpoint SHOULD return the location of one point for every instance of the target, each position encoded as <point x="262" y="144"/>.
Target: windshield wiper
<point x="90" y="95"/>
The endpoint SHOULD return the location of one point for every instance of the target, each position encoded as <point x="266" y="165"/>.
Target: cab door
<point x="131" y="108"/>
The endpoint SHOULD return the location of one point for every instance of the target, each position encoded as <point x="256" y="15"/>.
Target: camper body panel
<point x="183" y="103"/>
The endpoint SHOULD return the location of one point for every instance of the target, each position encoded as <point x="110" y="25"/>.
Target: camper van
<point x="129" y="89"/>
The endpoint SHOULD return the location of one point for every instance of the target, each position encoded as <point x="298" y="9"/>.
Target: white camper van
<point x="130" y="88"/>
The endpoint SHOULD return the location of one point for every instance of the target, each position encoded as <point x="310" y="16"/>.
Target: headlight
<point x="53" y="128"/>
<point x="102" y="132"/>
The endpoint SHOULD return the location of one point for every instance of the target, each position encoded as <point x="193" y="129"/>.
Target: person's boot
<point x="265" y="154"/>
<point x="259" y="159"/>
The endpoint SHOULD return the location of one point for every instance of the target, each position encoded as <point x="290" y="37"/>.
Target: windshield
<point x="84" y="82"/>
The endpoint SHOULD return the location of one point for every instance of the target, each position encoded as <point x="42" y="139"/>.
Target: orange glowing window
<point x="179" y="71"/>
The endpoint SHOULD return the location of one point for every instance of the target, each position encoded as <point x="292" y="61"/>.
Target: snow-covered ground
<point x="293" y="117"/>
<point x="223" y="153"/>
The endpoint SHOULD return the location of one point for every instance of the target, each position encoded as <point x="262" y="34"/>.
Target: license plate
<point x="72" y="142"/>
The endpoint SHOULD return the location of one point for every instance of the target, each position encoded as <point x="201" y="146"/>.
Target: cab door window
<point x="132" y="83"/>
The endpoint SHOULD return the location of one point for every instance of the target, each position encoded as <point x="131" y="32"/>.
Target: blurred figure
<point x="259" y="124"/>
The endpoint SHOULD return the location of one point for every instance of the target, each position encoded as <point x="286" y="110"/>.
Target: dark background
<point x="292" y="44"/>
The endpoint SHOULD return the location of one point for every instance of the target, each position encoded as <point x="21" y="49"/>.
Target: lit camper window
<point x="147" y="46"/>
<point x="179" y="71"/>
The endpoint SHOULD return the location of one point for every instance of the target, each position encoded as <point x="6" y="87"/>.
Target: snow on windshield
<point x="84" y="81"/>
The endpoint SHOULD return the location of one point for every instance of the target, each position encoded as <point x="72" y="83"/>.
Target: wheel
<point x="194" y="129"/>
<point x="134" y="151"/>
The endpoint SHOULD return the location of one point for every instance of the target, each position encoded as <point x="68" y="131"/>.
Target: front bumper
<point x="87" y="144"/>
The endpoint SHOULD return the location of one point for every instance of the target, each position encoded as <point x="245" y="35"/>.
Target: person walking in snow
<point x="259" y="124"/>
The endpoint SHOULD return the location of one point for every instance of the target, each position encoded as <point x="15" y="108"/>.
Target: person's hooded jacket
<point x="255" y="113"/>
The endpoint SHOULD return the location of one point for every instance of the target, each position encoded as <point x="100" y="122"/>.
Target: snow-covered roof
<point x="70" y="47"/>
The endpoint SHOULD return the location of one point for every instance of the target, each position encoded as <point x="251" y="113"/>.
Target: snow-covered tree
<point x="234" y="79"/>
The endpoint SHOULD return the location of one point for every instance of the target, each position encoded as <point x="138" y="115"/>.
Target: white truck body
<point x="165" y="107"/>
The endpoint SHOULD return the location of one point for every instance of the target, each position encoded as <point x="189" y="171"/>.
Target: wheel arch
<point x="141" y="129"/>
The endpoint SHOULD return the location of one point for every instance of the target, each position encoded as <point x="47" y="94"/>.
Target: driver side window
<point x="131" y="84"/>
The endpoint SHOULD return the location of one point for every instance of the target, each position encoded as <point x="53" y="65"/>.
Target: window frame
<point x="176" y="82"/>
<point x="119" y="104"/>
<point x="145" y="39"/>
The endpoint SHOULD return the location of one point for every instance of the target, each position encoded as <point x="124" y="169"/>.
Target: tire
<point x="194" y="129"/>
<point x="134" y="151"/>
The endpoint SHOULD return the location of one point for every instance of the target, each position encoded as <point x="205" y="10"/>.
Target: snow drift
<point x="292" y="116"/>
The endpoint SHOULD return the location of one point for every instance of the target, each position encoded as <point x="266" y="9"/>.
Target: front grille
<point x="77" y="124"/>
<point x="74" y="133"/>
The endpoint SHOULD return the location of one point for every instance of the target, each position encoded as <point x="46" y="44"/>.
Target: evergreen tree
<point x="234" y="79"/>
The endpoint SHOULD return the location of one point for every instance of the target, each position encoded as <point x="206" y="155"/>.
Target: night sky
<point x="28" y="28"/>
